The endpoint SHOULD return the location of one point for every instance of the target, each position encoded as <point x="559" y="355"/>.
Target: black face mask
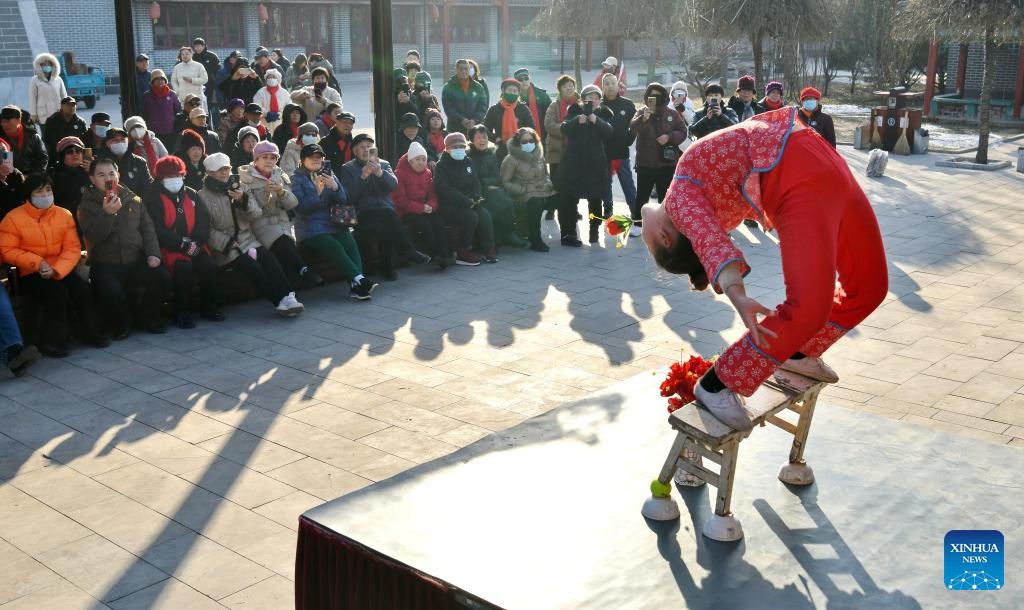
<point x="217" y="186"/>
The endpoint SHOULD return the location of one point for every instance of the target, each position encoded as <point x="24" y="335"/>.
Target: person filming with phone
<point x="715" y="115"/>
<point x="659" y="129"/>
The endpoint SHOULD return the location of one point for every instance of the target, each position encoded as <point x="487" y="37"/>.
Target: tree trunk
<point x="576" y="64"/>
<point x="985" y="103"/>
<point x="757" y="44"/>
<point x="652" y="60"/>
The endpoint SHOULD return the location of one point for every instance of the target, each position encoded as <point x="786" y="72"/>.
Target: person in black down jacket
<point x="132" y="168"/>
<point x="714" y="115"/>
<point x="505" y="118"/>
<point x="70" y="176"/>
<point x="617" y="147"/>
<point x="583" y="171"/>
<point x="461" y="198"/>
<point x="812" y="116"/>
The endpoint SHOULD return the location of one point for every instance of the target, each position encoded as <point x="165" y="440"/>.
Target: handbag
<point x="669" y="152"/>
<point x="343" y="215"/>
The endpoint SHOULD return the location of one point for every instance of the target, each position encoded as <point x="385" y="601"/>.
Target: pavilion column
<point x="929" y="86"/>
<point x="1018" y="96"/>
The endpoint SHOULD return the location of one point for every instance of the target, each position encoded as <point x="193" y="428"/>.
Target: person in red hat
<point x="505" y="118"/>
<point x="812" y="115"/>
<point x="182" y="228"/>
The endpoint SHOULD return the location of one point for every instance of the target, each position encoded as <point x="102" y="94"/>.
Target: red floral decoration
<point x="681" y="380"/>
<point x="617" y="225"/>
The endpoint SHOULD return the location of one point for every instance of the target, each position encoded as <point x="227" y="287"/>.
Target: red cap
<point x="807" y="92"/>
<point x="168" y="167"/>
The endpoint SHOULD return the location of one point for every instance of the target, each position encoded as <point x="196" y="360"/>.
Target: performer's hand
<point x="749" y="309"/>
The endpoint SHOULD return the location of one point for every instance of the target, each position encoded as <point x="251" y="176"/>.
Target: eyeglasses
<point x="523" y="79"/>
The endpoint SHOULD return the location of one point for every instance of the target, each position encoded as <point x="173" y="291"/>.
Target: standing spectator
<point x="273" y="98"/>
<point x="714" y="115"/>
<point x="231" y="118"/>
<point x="459" y="193"/>
<point x="189" y="76"/>
<point x="62" y="124"/>
<point x="46" y="89"/>
<point x="405" y="100"/>
<point x="681" y="102"/>
<point x="612" y="65"/>
<point x="659" y="131"/>
<point x="143" y="77"/>
<point x="267" y="184"/>
<point x="241" y="151"/>
<point x="292" y="157"/>
<point x="555" y="143"/>
<point x="583" y="171"/>
<point x="297" y="75"/>
<point x="282" y="62"/>
<point x="337" y="145"/>
<point x="232" y="243"/>
<point x="325" y="122"/>
<point x="318" y="192"/>
<point x="412" y="69"/>
<point x="133" y="171"/>
<point x="772" y="99"/>
<point x="262" y="62"/>
<point x="525" y="176"/>
<point x="435" y="135"/>
<point x="464" y="99"/>
<point x="192" y="151"/>
<point x="477" y="74"/>
<point x="812" y="115"/>
<point x="743" y="102"/>
<point x="416" y="204"/>
<point x="425" y="100"/>
<point x="482" y="152"/>
<point x="11" y="181"/>
<point x="70" y="175"/>
<point x="160" y="106"/>
<point x="144" y="142"/>
<point x="242" y="83"/>
<point x="98" y="126"/>
<point x="505" y="118"/>
<point x="288" y="127"/>
<point x="413" y="55"/>
<point x="534" y="98"/>
<point x="617" y="147"/>
<point x="182" y="227"/>
<point x="209" y="61"/>
<point x="314" y="98"/>
<point x="317" y="60"/>
<point x="23" y="139"/>
<point x="227" y="67"/>
<point x="409" y="132"/>
<point x="369" y="182"/>
<point x="40" y="239"/>
<point x="123" y="252"/>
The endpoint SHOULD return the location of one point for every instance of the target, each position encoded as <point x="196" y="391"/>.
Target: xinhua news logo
<point x="974" y="560"/>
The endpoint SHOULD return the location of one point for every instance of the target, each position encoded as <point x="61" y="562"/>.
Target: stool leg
<point x="684" y="478"/>
<point x="660" y="506"/>
<point x="796" y="471"/>
<point x="723" y="526"/>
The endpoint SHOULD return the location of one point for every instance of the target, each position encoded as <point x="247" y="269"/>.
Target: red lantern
<point x="264" y="14"/>
<point x="435" y="13"/>
<point x="154" y="12"/>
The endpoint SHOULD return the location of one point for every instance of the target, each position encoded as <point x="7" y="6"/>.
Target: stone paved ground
<point x="169" y="471"/>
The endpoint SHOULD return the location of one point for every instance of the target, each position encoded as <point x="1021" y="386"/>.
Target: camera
<point x="588" y="108"/>
<point x="233" y="183"/>
<point x="318" y="88"/>
<point x="108" y="186"/>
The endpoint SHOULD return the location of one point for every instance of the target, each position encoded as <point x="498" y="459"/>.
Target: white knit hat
<point x="416" y="150"/>
<point x="216" y="161"/>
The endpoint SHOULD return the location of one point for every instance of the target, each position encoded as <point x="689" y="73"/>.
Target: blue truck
<point x="87" y="87"/>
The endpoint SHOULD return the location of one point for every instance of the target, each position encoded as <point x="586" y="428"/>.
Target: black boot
<point x="595" y="225"/>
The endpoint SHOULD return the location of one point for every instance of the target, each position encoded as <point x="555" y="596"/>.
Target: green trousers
<point x="340" y="248"/>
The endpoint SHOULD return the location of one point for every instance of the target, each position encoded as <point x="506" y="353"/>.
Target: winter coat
<point x="488" y="167"/>
<point x="493" y="121"/>
<point x="297" y="78"/>
<point x="459" y="104"/>
<point x="193" y="70"/>
<point x="160" y="112"/>
<point x="313" y="213"/>
<point x="133" y="171"/>
<point x="165" y="210"/>
<point x="423" y="105"/>
<point x="29" y="235"/>
<point x="195" y="175"/>
<point x="554" y="146"/>
<point x="68" y="185"/>
<point x="274" y="221"/>
<point x="211" y="63"/>
<point x="415" y="190"/>
<point x="211" y="141"/>
<point x="738" y="107"/>
<point x="123" y="238"/>
<point x="623" y="110"/>
<point x="138" y="148"/>
<point x="291" y="158"/>
<point x="665" y="121"/>
<point x="225" y="127"/>
<point x="372" y="193"/>
<point x="456" y="182"/>
<point x="230" y="225"/>
<point x="703" y="124"/>
<point x="263" y="98"/>
<point x="32" y="157"/>
<point x="10" y="192"/>
<point x="584" y="171"/>
<point x="402" y="144"/>
<point x="820" y="122"/>
<point x="242" y="88"/>
<point x="142" y="80"/>
<point x="239" y="157"/>
<point x="338" y="149"/>
<point x="283" y="133"/>
<point x="306" y="98"/>
<point x="543" y="102"/>
<point x="44" y="94"/>
<point x="56" y="128"/>
<point x="525" y="175"/>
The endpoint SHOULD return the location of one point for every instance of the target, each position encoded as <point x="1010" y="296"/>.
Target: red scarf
<point x="161" y="91"/>
<point x="509" y="123"/>
<point x="773" y="105"/>
<point x="465" y="85"/>
<point x="262" y="130"/>
<point x="532" y="103"/>
<point x="273" y="98"/>
<point x="563" y="108"/>
<point x="150" y="152"/>
<point x="18" y="138"/>
<point x="188" y="208"/>
<point x="437" y="140"/>
<point x="328" y="121"/>
<point x="294" y="129"/>
<point x="346" y="151"/>
<point x="614" y="166"/>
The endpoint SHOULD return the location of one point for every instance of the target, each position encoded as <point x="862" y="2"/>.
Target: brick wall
<point x="1006" y="70"/>
<point x="84" y="27"/>
<point x="15" y="52"/>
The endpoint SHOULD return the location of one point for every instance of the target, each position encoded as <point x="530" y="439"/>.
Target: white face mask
<point x="309" y="139"/>
<point x="42" y="201"/>
<point x="272" y="82"/>
<point x="119" y="148"/>
<point x="472" y="72"/>
<point x="138" y="133"/>
<point x="174" y="184"/>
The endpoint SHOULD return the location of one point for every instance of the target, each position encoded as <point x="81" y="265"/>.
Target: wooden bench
<point x="700" y="435"/>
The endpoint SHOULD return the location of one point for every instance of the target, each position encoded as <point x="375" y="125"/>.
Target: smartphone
<point x="374" y="157"/>
<point x="244" y="71"/>
<point x="7" y="157"/>
<point x="87" y="154"/>
<point x="233" y="183"/>
<point x="318" y="88"/>
<point x="588" y="108"/>
<point x="652" y="102"/>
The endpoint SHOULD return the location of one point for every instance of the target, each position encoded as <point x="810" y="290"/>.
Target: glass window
<point x="468" y="23"/>
<point x="298" y="25"/>
<point x="403" y="25"/>
<point x="520" y="18"/>
<point x="219" y="24"/>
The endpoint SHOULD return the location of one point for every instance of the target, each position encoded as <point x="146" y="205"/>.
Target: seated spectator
<point x="230" y="119"/>
<point x="45" y="89"/>
<point x="714" y="115"/>
<point x="232" y="242"/>
<point x="435" y="135"/>
<point x="243" y="83"/>
<point x="123" y="252"/>
<point x="325" y="122"/>
<point x="40" y="239"/>
<point x="315" y="97"/>
<point x="416" y="204"/>
<point x="659" y="131"/>
<point x="337" y="145"/>
<point x="743" y="102"/>
<point x="461" y="198"/>
<point x="11" y="181"/>
<point x="319" y="191"/>
<point x="369" y="182"/>
<point x="253" y="117"/>
<point x="409" y="131"/>
<point x="292" y="157"/>
<point x="160" y="106"/>
<point x="132" y="168"/>
<point x="288" y="127"/>
<point x="681" y="102"/>
<point x="182" y="227"/>
<point x="189" y="103"/>
<point x="13" y="352"/>
<point x="62" y="124"/>
<point x="496" y="200"/>
<point x="273" y="99"/>
<point x="506" y="117"/>
<point x="524" y="174"/>
<point x="23" y="138"/>
<point x="198" y="121"/>
<point x="812" y="116"/>
<point x="192" y="151"/>
<point x="98" y="126"/>
<point x="241" y="154"/>
<point x="144" y="142"/>
<point x="584" y="170"/>
<point x="425" y="99"/>
<point x="265" y="183"/>
<point x="297" y="75"/>
<point x="772" y="99"/>
<point x="70" y="176"/>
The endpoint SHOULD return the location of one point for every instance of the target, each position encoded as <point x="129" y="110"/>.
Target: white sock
<point x="357" y="279"/>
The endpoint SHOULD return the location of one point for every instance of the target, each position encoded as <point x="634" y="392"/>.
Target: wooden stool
<point x="700" y="433"/>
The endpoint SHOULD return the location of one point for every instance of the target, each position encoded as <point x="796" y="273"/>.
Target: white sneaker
<point x="726" y="406"/>
<point x="814" y="368"/>
<point x="289" y="306"/>
<point x="635" y="231"/>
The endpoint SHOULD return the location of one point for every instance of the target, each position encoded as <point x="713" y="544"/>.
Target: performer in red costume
<point x="775" y="170"/>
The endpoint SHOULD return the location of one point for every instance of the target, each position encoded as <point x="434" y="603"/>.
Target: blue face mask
<point x="458" y="154"/>
<point x="810" y="105"/>
<point x="101" y="130"/>
<point x="47" y="69"/>
<point x="529" y="147"/>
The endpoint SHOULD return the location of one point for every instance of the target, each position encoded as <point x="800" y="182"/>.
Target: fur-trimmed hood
<point x="37" y="65"/>
<point x="516" y="150"/>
